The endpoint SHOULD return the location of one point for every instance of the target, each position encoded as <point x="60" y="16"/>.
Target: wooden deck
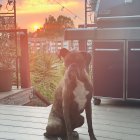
<point x="16" y="96"/>
<point x="111" y="121"/>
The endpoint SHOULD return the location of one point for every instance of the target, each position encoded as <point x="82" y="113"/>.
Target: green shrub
<point x="46" y="72"/>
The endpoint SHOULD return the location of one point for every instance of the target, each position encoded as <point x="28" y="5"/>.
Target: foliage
<point x="46" y="72"/>
<point x="54" y="27"/>
<point x="7" y="52"/>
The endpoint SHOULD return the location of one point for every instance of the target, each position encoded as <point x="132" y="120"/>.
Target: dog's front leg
<point x="66" y="113"/>
<point x="88" y="110"/>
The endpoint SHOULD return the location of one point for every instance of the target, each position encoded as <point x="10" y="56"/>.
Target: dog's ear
<point x="63" y="52"/>
<point x="87" y="57"/>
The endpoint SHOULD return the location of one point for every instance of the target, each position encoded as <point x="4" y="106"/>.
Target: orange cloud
<point x="32" y="11"/>
<point x="41" y="6"/>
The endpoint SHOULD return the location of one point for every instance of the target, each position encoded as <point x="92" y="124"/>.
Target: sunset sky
<point x="32" y="13"/>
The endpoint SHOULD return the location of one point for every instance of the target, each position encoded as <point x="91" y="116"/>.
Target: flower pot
<point x="5" y="80"/>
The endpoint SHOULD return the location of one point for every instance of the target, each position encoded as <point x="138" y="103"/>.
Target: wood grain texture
<point x="110" y="121"/>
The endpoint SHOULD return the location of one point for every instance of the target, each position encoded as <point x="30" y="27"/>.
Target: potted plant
<point x="7" y="61"/>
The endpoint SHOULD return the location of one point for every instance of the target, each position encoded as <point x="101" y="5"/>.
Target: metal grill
<point x="116" y="48"/>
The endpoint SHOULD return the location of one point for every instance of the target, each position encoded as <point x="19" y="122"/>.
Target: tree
<point x="55" y="27"/>
<point x="50" y="20"/>
<point x="65" y="22"/>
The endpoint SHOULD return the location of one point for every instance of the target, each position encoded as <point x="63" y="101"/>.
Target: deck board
<point x="110" y="122"/>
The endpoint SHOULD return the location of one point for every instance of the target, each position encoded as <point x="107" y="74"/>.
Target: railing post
<point x="24" y="61"/>
<point x="82" y="45"/>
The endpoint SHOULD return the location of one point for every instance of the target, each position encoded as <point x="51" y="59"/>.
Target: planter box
<point x="5" y="80"/>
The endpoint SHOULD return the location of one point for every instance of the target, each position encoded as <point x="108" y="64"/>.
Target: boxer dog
<point x="72" y="96"/>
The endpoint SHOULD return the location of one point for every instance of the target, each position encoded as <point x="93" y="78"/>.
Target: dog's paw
<point x="75" y="135"/>
<point x="62" y="138"/>
<point x="93" y="138"/>
<point x="48" y="137"/>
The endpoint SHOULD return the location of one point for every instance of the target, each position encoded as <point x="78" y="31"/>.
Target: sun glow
<point x="35" y="26"/>
<point x="31" y="11"/>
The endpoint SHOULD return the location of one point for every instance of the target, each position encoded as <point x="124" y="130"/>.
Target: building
<point x="52" y="46"/>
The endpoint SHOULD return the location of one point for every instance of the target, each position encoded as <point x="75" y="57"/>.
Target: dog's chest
<point x="80" y="94"/>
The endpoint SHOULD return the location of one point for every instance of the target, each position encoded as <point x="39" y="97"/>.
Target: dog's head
<point x="81" y="59"/>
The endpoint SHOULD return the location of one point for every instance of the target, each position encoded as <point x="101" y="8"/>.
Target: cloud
<point x="31" y="11"/>
<point x="41" y="6"/>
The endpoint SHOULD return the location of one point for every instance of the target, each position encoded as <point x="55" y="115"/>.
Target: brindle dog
<point x="72" y="96"/>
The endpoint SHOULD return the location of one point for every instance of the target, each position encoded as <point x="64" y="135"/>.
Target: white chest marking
<point x="80" y="94"/>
